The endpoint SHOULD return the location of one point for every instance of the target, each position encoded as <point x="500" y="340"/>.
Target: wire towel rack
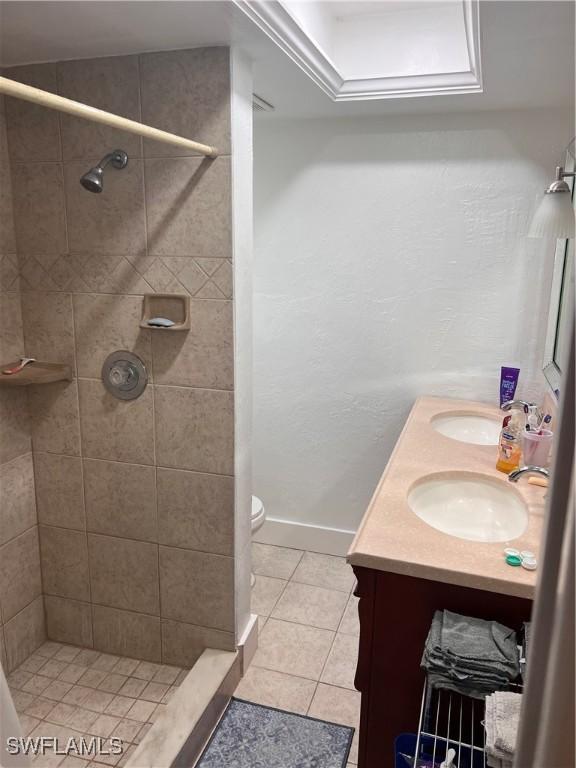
<point x="450" y="720"/>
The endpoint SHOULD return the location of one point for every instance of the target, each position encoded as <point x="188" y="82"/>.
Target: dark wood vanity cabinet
<point x="395" y="615"/>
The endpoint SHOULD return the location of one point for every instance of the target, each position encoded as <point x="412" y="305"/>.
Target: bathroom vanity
<point x="410" y="560"/>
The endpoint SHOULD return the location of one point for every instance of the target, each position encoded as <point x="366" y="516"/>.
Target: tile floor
<point x="308" y="644"/>
<point x="64" y="691"/>
<point x="305" y="663"/>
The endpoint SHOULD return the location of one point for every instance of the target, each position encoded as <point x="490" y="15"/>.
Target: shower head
<point x="93" y="181"/>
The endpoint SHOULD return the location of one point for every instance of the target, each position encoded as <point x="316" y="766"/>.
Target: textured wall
<point x="390" y="261"/>
<point x="21" y="610"/>
<point x="135" y="499"/>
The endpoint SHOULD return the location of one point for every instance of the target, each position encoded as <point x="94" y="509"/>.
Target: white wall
<point x="390" y="262"/>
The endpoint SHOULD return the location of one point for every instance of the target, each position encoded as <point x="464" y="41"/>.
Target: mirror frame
<point x="564" y="247"/>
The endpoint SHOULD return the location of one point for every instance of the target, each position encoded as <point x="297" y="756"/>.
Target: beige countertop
<point x="392" y="538"/>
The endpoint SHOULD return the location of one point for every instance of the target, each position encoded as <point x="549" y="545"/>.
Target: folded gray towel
<point x="479" y="641"/>
<point x="470" y="655"/>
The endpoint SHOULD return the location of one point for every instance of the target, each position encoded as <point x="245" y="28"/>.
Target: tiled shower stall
<point x="118" y="529"/>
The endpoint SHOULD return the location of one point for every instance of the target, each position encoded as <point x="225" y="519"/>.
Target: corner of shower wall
<point x="241" y="126"/>
<point x="22" y="625"/>
<point x="136" y="500"/>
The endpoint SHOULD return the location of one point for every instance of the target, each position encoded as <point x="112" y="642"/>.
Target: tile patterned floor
<point x="65" y="691"/>
<point x="308" y="644"/>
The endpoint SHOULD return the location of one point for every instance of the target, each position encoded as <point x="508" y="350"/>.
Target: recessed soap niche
<point x="170" y="306"/>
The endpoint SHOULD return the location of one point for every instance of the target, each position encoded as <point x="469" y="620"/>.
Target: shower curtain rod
<point x="50" y="100"/>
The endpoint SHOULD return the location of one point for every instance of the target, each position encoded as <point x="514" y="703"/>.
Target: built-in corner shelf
<point x="35" y="373"/>
<point x="171" y="306"/>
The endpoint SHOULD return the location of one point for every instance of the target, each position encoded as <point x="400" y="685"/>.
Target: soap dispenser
<point x="510" y="443"/>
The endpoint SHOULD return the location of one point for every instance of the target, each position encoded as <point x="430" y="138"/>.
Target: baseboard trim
<point x="248" y="643"/>
<point x="314" y="538"/>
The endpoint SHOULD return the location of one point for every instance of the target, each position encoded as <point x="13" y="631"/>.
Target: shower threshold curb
<point x="179" y="735"/>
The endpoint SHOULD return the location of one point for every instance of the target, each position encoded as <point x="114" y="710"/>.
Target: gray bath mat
<point x="253" y="736"/>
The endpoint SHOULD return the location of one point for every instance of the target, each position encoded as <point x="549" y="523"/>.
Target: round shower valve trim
<point x="124" y="375"/>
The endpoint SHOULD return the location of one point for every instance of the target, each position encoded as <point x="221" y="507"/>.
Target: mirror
<point x="561" y="302"/>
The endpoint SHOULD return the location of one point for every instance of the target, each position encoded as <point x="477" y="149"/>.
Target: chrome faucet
<point x="516" y="474"/>
<point x="516" y="404"/>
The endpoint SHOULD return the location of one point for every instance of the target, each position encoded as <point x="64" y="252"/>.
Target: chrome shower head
<point x="93" y="181"/>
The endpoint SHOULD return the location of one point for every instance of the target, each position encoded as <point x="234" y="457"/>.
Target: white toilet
<point x="257" y="519"/>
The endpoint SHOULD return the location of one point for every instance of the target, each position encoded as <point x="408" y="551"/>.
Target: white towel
<point x="501" y="724"/>
<point x="495" y="762"/>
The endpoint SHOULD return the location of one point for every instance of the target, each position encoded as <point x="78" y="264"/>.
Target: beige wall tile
<point x="7" y="235"/>
<point x="14" y="417"/>
<point x="118" y="430"/>
<point x="59" y="492"/>
<point x="196" y="511"/>
<point x="190" y="273"/>
<point x="93" y="221"/>
<point x="158" y="275"/>
<point x="33" y="131"/>
<point x="54" y="418"/>
<point x="202" y="357"/>
<point x="49" y="327"/>
<point x="223" y="278"/>
<point x="3" y="659"/>
<point x="24" y="633"/>
<point x="20" y="580"/>
<point x="17" y="498"/>
<point x="104" y="324"/>
<point x="182" y="644"/>
<point x="34" y="272"/>
<point x="9" y="268"/>
<point x="124" y="573"/>
<point x="121" y="499"/>
<point x="68" y="621"/>
<point x="51" y="272"/>
<point x="64" y="562"/>
<point x="188" y="207"/>
<point x="107" y="253"/>
<point x="187" y="93"/>
<point x="98" y="273"/>
<point x="126" y="633"/>
<point x="198" y="588"/>
<point x="11" y="328"/>
<point x="105" y="83"/>
<point x="39" y="220"/>
<point x="195" y="429"/>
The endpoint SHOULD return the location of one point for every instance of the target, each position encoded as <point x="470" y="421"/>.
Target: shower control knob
<point x="124" y="375"/>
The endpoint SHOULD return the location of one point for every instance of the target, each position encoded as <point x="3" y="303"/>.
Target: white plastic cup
<point x="537" y="448"/>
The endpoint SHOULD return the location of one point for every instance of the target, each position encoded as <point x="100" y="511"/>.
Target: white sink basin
<point x="468" y="427"/>
<point x="469" y="506"/>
